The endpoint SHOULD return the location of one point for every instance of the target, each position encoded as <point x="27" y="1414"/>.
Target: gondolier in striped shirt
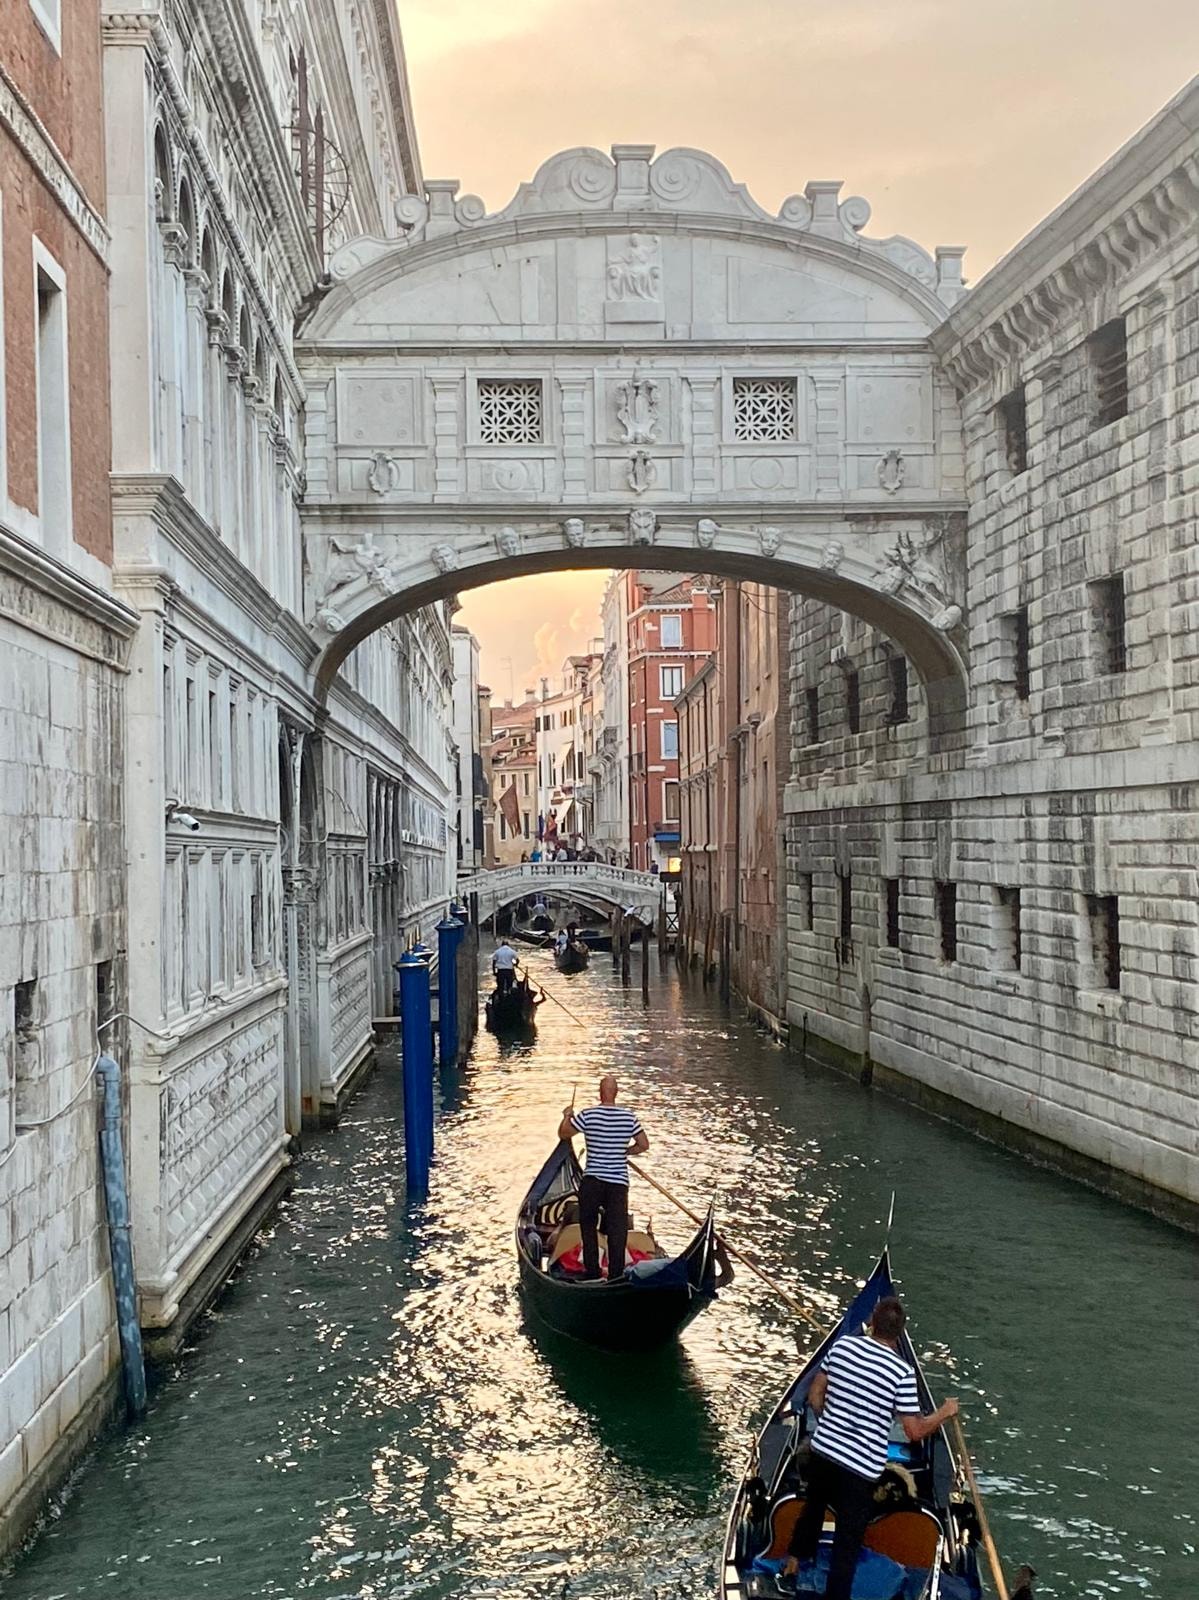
<point x="862" y="1386"/>
<point x="613" y="1133"/>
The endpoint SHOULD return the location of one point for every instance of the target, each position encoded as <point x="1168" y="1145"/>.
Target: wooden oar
<point x="572" y="1015"/>
<point x="984" y="1526"/>
<point x="738" y="1255"/>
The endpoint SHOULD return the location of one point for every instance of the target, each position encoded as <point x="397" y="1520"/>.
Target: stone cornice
<point x="255" y="116"/>
<point x="387" y="25"/>
<point x="39" y="149"/>
<point x="162" y="498"/>
<point x="34" y="567"/>
<point x="1137" y="205"/>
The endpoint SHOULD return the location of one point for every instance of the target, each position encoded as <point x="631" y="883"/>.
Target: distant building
<point x="609" y="766"/>
<point x="468" y="749"/>
<point x="733" y="721"/>
<point x="671" y="632"/>
<point x="513" y="763"/>
<point x="564" y="735"/>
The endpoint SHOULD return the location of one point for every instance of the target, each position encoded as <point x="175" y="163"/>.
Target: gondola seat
<point x="783" y="1518"/>
<point x="913" y="1538"/>
<point x="638" y="1245"/>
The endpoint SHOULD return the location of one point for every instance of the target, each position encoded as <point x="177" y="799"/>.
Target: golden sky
<point x="961" y="122"/>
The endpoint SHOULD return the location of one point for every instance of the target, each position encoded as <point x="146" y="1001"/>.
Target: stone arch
<point x="228" y="302"/>
<point x="164" y="175"/>
<point x="209" y="265"/>
<point x="185" y="211"/>
<point x="245" y="331"/>
<point x="708" y="388"/>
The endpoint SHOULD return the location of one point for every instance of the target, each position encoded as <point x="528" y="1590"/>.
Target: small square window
<point x="947" y="920"/>
<point x="1103" y="914"/>
<point x="1108" y="624"/>
<point x="671" y="635"/>
<point x="1013" y="422"/>
<point x="1009" y="944"/>
<point x="1107" y="351"/>
<point x="891" y="894"/>
<point x="763" y="410"/>
<point x="510" y="411"/>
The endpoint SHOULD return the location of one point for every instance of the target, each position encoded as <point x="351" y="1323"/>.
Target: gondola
<point x="573" y="956"/>
<point x="653" y="1302"/>
<point x="512" y="1010"/>
<point x="923" y="1544"/>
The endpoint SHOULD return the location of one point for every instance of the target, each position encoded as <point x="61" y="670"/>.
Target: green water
<point x="368" y="1415"/>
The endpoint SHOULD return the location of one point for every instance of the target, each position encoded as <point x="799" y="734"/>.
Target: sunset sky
<point x="959" y="123"/>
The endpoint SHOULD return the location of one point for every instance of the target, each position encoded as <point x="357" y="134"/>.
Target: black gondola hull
<point x="615" y="1316"/>
<point x="571" y="959"/>
<point x="513" y="1011"/>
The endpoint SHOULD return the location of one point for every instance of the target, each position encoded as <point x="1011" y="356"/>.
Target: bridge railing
<point x="497" y="885"/>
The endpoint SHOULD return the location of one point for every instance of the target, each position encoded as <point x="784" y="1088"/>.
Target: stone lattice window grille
<point x="764" y="410"/>
<point x="510" y="411"/>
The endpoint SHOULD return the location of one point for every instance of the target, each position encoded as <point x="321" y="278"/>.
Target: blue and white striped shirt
<point x="869" y="1384"/>
<point x="608" y="1130"/>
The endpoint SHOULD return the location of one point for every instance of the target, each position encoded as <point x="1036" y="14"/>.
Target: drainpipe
<point x="120" y="1242"/>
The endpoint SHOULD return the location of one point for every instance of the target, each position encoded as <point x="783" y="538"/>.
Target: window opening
<point x="947" y="918"/>
<point x="1108" y="620"/>
<point x="510" y="411"/>
<point x="1016" y="638"/>
<point x="764" y="410"/>
<point x="1013" y="416"/>
<point x="1011" y="951"/>
<point x="812" y="704"/>
<point x="1103" y="912"/>
<point x="891" y="886"/>
<point x="853" y="701"/>
<point x="897" y="674"/>
<point x="1108" y="351"/>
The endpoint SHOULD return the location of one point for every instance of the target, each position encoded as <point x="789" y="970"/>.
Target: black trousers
<point x="504" y="979"/>
<point x="613" y="1199"/>
<point x="852" y="1500"/>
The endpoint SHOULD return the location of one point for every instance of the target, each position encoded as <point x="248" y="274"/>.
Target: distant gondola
<point x="924" y="1526"/>
<point x="573" y="956"/>
<point x="512" y="1010"/>
<point x="653" y="1302"/>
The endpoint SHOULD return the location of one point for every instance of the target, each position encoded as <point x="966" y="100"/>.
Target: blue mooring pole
<point x="412" y="972"/>
<point x="120" y="1241"/>
<point x="449" y="935"/>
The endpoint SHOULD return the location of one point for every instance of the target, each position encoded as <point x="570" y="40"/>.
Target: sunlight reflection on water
<point x="370" y="1413"/>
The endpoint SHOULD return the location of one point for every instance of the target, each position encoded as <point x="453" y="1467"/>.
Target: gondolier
<point x="863" y="1384"/>
<point x="503" y="965"/>
<point x="612" y="1133"/>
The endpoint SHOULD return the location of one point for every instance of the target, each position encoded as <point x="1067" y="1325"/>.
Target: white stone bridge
<point x="594" y="884"/>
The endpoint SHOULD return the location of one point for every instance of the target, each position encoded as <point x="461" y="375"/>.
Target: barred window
<point x="1108" y="351"/>
<point x="763" y="409"/>
<point x="510" y="411"/>
<point x="1108" y="616"/>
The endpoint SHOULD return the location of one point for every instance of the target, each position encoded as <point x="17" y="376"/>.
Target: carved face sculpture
<point x="769" y="539"/>
<point x="507" y="542"/>
<point x="574" y="532"/>
<point x="832" y="555"/>
<point x="642" y="523"/>
<point x="705" y="533"/>
<point x="445" y="557"/>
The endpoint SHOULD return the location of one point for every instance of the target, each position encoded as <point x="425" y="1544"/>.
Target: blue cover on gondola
<point x="658" y="1274"/>
<point x="877" y="1576"/>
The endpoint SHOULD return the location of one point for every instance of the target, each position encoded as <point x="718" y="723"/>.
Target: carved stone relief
<point x="444" y="557"/>
<point x="705" y="533"/>
<point x="574" y="532"/>
<point x="507" y="542"/>
<point x="832" y="555"/>
<point x="637" y="274"/>
<point x="384" y="474"/>
<point x="915" y="562"/>
<point x="769" y="539"/>
<point x="891" y="472"/>
<point x="637" y="410"/>
<point x="642" y="473"/>
<point x="643" y="524"/>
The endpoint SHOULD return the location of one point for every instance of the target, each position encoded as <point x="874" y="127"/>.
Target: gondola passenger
<point x="613" y="1133"/>
<point x="862" y="1386"/>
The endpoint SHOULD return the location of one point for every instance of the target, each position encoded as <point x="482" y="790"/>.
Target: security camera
<point x="181" y="819"/>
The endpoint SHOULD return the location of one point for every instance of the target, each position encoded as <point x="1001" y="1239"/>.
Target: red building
<point x="671" y="633"/>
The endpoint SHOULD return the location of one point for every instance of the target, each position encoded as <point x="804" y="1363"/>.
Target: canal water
<point x="368" y="1414"/>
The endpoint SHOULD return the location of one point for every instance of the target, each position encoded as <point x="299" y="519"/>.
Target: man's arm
<point x="817" y="1392"/>
<point x="640" y="1144"/>
<point x="567" y="1126"/>
<point x="916" y="1428"/>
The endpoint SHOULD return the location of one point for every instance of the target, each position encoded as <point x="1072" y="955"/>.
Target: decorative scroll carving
<point x="642" y="472"/>
<point x="638" y="410"/>
<point x="643" y="524"/>
<point x="891" y="472"/>
<point x="384" y="474"/>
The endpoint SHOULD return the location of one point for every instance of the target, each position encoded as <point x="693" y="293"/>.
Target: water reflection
<point x="368" y="1414"/>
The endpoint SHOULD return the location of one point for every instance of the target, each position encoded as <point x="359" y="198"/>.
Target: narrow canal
<point x="367" y="1414"/>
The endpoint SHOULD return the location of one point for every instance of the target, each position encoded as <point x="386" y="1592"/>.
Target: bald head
<point x="609" y="1089"/>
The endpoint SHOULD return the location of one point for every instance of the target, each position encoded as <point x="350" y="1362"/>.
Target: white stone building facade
<point x="1012" y="929"/>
